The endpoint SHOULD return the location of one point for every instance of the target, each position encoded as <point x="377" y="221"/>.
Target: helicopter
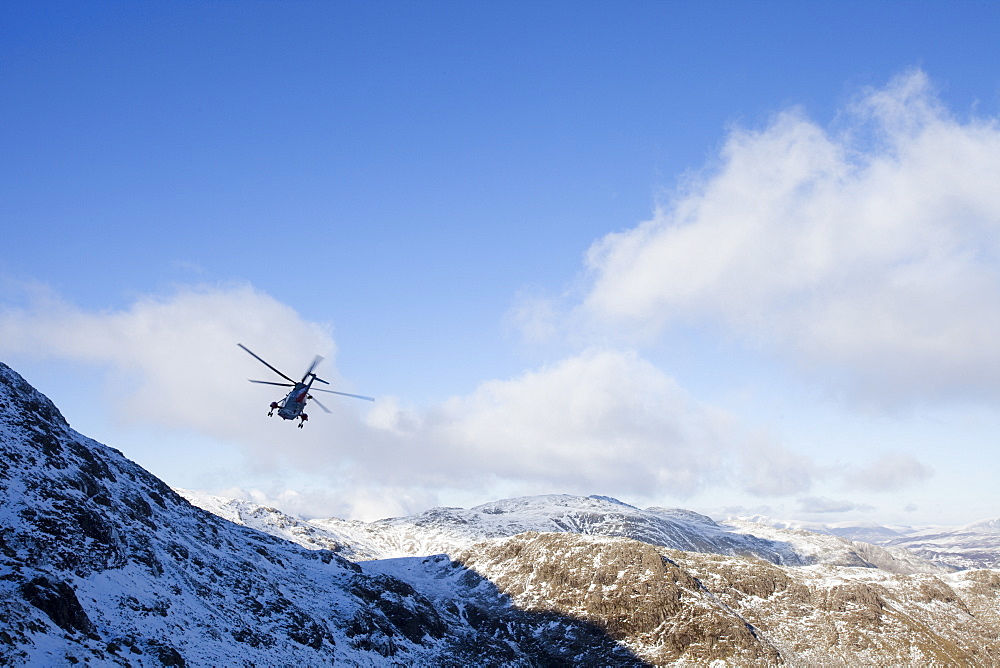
<point x="291" y="407"/>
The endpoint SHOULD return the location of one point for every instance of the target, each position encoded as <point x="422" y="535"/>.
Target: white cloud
<point x="825" y="505"/>
<point x="174" y="360"/>
<point x="600" y="420"/>
<point x="604" y="421"/>
<point x="534" y="316"/>
<point x="889" y="473"/>
<point x="870" y="255"/>
<point x="367" y="503"/>
<point x="768" y="470"/>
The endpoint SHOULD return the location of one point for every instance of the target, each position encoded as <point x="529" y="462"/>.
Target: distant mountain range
<point x="102" y="564"/>
<point x="975" y="545"/>
<point x="445" y="530"/>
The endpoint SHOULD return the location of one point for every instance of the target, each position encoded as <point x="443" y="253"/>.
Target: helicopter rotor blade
<point x="316" y="360"/>
<point x="261" y="360"/>
<point x="267" y="382"/>
<point x="344" y="394"/>
<point x="316" y="401"/>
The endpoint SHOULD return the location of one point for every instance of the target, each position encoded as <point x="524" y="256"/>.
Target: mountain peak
<point x="20" y="403"/>
<point x="551" y="503"/>
<point x="609" y="499"/>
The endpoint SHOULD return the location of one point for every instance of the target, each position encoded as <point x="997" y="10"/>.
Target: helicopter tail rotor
<point x="309" y="371"/>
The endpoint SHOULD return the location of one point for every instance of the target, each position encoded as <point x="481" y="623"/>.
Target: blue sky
<point x="731" y="256"/>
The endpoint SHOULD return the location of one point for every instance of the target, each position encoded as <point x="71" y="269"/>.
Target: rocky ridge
<point x="672" y="607"/>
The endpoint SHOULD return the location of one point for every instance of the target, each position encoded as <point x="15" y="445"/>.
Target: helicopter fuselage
<point x="294" y="402"/>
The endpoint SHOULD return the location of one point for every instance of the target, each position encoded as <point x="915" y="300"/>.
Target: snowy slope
<point x="449" y="529"/>
<point x="295" y="530"/>
<point x="103" y="564"/>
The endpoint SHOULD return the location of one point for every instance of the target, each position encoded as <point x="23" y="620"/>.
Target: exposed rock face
<point x="627" y="588"/>
<point x="670" y="606"/>
<point x="851" y="616"/>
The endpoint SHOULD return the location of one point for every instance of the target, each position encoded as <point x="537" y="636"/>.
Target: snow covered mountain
<point x="975" y="545"/>
<point x="849" y="606"/>
<point x="102" y="564"/>
<point x="447" y="530"/>
<point x="314" y="535"/>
